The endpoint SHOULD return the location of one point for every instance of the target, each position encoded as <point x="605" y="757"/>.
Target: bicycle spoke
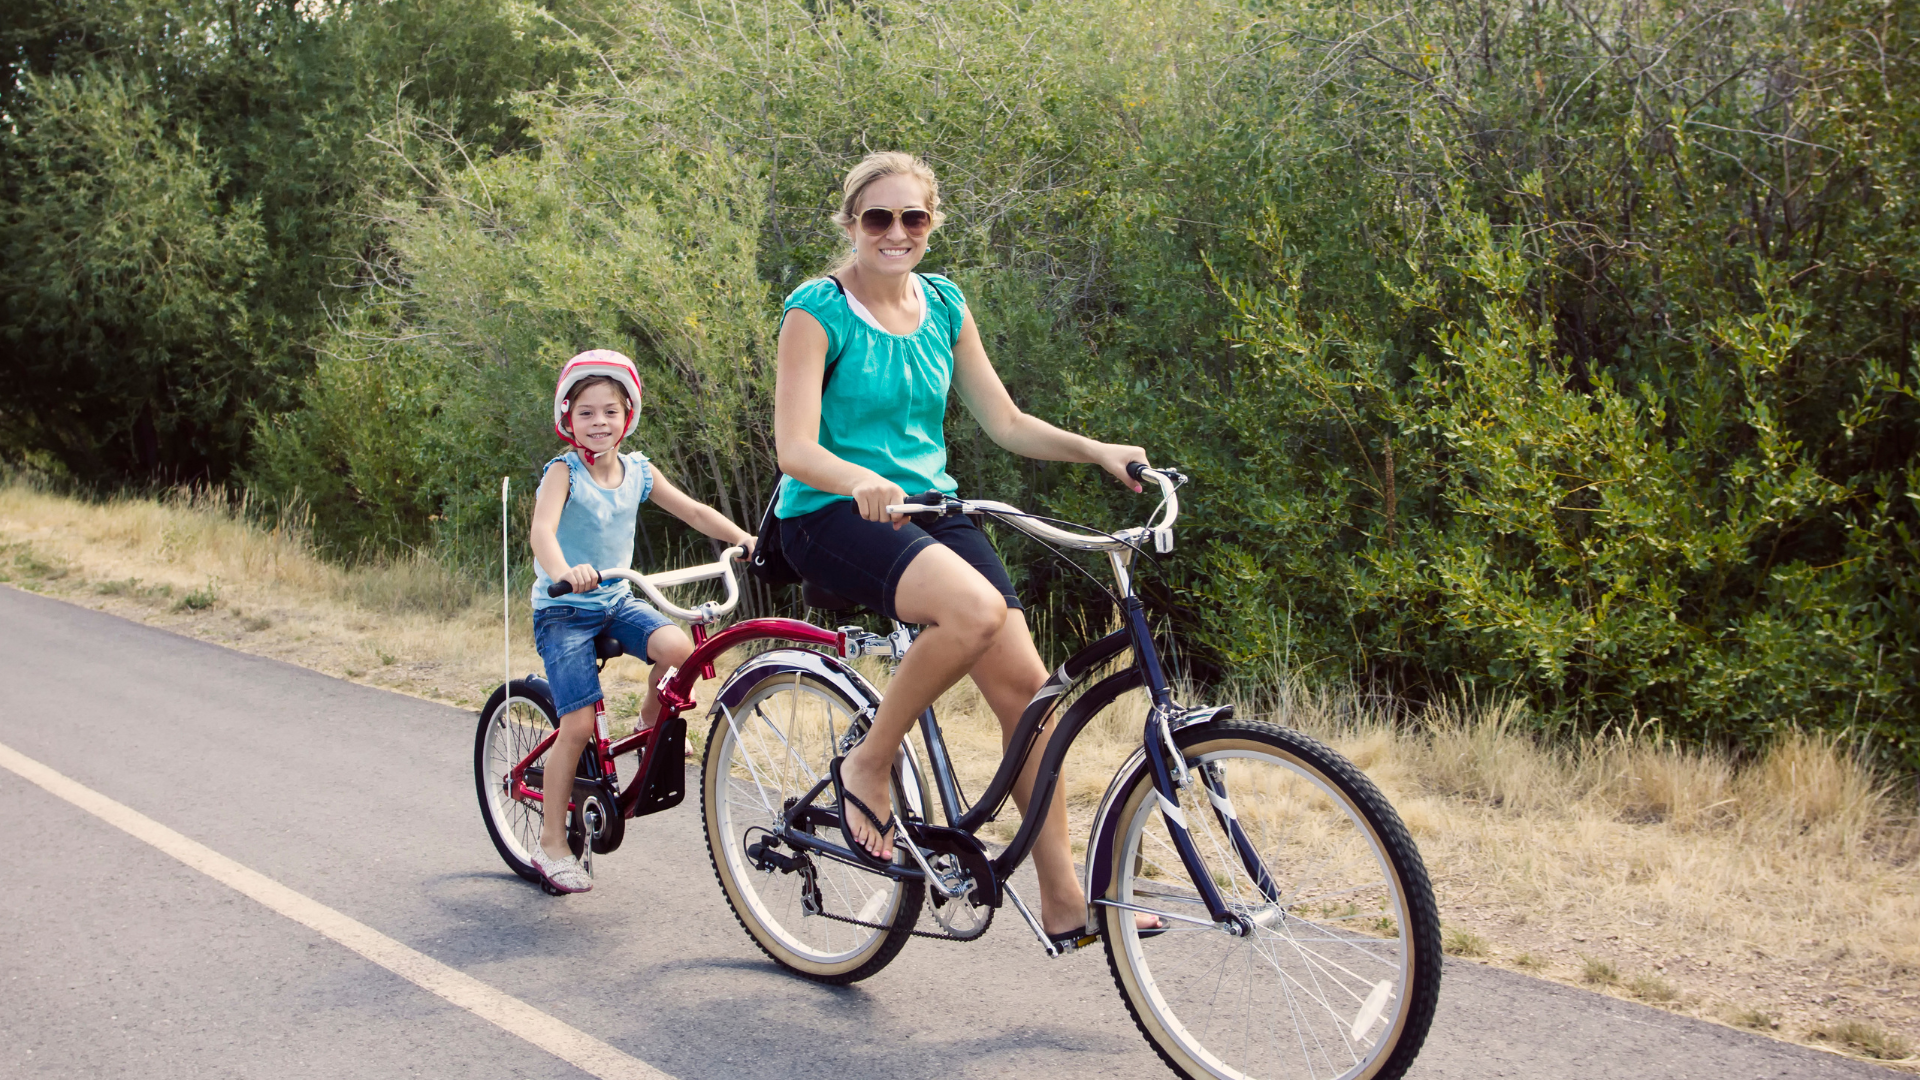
<point x="1304" y="991"/>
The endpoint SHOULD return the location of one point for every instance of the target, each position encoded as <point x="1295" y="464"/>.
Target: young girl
<point x="583" y="521"/>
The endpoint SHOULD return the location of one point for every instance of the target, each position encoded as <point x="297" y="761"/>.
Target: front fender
<point x="1106" y="823"/>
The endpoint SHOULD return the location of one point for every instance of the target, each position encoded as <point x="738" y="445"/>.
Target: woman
<point x="866" y="358"/>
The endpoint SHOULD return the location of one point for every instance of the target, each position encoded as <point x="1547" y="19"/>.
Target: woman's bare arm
<point x="987" y="399"/>
<point x="798" y="381"/>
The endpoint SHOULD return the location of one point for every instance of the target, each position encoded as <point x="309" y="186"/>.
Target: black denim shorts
<point x="840" y="551"/>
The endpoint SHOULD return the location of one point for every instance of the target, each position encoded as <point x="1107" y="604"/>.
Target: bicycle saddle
<point x="820" y="599"/>
<point x="606" y="647"/>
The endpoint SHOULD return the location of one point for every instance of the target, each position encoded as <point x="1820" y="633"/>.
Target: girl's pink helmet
<point x="606" y="362"/>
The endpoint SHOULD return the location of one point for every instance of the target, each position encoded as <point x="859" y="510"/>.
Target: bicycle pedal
<point x="765" y="858"/>
<point x="1058" y="949"/>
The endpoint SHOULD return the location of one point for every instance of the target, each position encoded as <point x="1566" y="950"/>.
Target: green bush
<point x="1561" y="350"/>
<point x="1589" y="455"/>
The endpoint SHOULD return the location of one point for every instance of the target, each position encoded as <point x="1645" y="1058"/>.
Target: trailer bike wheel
<point x="817" y="916"/>
<point x="1333" y="967"/>
<point x="512" y="723"/>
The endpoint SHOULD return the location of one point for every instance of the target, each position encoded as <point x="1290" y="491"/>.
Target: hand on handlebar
<point x="872" y="495"/>
<point x="581" y="579"/>
<point x="1117" y="459"/>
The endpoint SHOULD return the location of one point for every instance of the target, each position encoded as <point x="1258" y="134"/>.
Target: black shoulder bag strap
<point x="769" y="562"/>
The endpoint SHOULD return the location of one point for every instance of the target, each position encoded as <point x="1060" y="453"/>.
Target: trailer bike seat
<point x="606" y="647"/>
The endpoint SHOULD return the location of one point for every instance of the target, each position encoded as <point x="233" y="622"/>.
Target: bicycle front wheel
<point x="818" y="917"/>
<point x="1337" y="969"/>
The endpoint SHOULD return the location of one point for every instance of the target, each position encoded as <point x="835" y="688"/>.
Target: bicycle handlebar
<point x="1122" y="540"/>
<point x="651" y="584"/>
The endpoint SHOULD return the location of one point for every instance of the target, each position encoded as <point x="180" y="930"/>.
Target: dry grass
<point x="1865" y="1038"/>
<point x="1779" y="894"/>
<point x="1458" y="942"/>
<point x="1783" y="887"/>
<point x="195" y="562"/>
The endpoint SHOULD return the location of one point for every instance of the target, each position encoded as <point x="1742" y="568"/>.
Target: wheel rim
<point x="516" y="728"/>
<point x="1321" y="985"/>
<point x="775" y="747"/>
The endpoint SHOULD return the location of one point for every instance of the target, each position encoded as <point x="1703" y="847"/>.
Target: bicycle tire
<point x="510" y="727"/>
<point x="1346" y="944"/>
<point x="743" y="789"/>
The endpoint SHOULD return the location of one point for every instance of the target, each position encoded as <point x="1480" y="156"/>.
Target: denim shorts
<point x="564" y="635"/>
<point x="840" y="551"/>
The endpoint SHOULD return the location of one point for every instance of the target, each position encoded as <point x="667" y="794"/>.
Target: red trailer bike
<point x="518" y="725"/>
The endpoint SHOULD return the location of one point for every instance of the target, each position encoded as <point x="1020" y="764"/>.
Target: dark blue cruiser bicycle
<point x="1301" y="938"/>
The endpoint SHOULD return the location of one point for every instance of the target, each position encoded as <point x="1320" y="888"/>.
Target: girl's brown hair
<point x="588" y="383"/>
<point x="877" y="166"/>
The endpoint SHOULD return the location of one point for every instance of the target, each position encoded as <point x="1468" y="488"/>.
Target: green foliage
<point x="678" y="191"/>
<point x="178" y="190"/>
<point x="1559" y="350"/>
<point x="127" y="316"/>
<point x="1629" y="475"/>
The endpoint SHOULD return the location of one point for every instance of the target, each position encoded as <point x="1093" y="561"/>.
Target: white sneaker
<point x="562" y="875"/>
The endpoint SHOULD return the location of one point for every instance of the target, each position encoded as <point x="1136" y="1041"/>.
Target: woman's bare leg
<point x="1008" y="675"/>
<point x="963" y="615"/>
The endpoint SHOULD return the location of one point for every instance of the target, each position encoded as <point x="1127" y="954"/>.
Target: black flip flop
<point x="842" y="797"/>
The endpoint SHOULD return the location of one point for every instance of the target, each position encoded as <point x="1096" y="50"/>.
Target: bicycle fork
<point x="1170" y="774"/>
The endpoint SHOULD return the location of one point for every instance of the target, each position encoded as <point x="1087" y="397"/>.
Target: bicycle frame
<point x="1168" y="769"/>
<point x="655" y="788"/>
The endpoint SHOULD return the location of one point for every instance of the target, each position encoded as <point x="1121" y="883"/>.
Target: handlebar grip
<point x="1135" y="468"/>
<point x="559" y="589"/>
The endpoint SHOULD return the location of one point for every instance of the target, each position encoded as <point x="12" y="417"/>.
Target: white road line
<point x="553" y="1035"/>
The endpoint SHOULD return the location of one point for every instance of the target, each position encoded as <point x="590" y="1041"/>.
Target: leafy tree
<point x="181" y="187"/>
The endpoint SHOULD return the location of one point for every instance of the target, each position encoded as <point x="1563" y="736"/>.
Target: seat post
<point x="699" y="639"/>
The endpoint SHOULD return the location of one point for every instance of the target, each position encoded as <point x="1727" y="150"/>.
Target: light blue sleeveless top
<point x="596" y="527"/>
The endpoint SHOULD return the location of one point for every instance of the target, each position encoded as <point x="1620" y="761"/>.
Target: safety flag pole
<point x="506" y="595"/>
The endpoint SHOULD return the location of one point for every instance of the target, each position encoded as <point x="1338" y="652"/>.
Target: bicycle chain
<point x="914" y="933"/>
<point x="825" y="914"/>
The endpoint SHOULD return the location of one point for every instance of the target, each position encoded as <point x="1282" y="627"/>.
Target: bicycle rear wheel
<point x="822" y="919"/>
<point x="1340" y="972"/>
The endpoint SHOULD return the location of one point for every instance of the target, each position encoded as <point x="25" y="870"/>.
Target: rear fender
<point x="834" y="672"/>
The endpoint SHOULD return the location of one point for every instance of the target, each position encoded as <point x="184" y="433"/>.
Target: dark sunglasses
<point x="876" y="220"/>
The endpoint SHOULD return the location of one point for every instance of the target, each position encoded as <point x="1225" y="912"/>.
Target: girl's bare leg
<point x="556" y="785"/>
<point x="963" y="615"/>
<point x="669" y="647"/>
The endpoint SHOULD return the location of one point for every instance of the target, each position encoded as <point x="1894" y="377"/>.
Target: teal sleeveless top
<point x="885" y="401"/>
<point x="596" y="527"/>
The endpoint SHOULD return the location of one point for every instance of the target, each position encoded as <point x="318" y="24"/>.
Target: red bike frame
<point x="676" y="695"/>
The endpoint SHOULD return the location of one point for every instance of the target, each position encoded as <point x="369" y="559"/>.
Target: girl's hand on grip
<point x="584" y="578"/>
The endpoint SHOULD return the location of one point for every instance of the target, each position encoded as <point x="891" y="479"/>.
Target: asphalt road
<point x="118" y="960"/>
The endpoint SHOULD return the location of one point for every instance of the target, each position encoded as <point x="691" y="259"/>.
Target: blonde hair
<point x="878" y="166"/>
